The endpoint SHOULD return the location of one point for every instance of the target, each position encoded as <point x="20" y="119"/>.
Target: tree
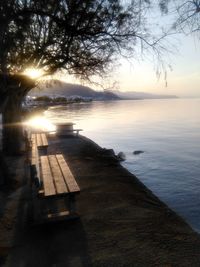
<point x="187" y="14"/>
<point x="82" y="37"/>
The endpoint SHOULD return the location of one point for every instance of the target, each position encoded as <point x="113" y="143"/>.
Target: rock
<point x="137" y="152"/>
<point x="109" y="155"/>
<point x="121" y="156"/>
<point x="108" y="152"/>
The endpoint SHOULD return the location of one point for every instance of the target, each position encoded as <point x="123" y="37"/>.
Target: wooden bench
<point x="76" y="131"/>
<point x="70" y="132"/>
<point x="40" y="141"/>
<point x="34" y="163"/>
<point x="54" y="182"/>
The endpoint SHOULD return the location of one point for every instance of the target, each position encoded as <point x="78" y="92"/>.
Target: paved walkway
<point x="122" y="223"/>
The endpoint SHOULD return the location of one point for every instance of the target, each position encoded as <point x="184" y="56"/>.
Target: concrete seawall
<point x="122" y="223"/>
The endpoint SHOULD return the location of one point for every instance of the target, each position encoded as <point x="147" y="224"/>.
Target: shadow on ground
<point x="58" y="244"/>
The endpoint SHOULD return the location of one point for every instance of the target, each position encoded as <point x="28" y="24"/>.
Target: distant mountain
<point x="59" y="88"/>
<point x="141" y="95"/>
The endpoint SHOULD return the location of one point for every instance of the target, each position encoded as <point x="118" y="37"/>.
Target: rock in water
<point x="137" y="152"/>
<point x="121" y="156"/>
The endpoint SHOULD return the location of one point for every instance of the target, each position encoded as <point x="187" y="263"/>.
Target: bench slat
<point x="33" y="156"/>
<point x="57" y="175"/>
<point x="44" y="139"/>
<point x="68" y="176"/>
<point x="32" y="137"/>
<point x="39" y="139"/>
<point x="47" y="177"/>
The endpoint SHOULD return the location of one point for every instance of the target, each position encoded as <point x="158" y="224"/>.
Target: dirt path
<point x="122" y="223"/>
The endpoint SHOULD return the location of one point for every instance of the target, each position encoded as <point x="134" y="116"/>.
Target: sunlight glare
<point x="34" y="73"/>
<point x="41" y="124"/>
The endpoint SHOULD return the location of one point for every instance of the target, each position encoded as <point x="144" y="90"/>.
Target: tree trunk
<point x="13" y="88"/>
<point x="12" y="127"/>
<point x="5" y="176"/>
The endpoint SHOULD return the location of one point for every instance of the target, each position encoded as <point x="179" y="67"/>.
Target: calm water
<point x="167" y="130"/>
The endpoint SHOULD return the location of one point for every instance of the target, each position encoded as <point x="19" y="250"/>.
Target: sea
<point x="167" y="131"/>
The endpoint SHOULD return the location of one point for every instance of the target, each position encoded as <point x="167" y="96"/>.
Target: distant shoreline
<point x="64" y="89"/>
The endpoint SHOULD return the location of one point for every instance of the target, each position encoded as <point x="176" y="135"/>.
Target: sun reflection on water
<point x="40" y="123"/>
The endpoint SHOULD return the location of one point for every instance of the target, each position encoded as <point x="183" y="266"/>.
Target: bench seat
<point x="57" y="177"/>
<point x="52" y="182"/>
<point x="40" y="140"/>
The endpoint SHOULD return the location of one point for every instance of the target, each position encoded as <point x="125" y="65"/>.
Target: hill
<point x="141" y="95"/>
<point x="58" y="88"/>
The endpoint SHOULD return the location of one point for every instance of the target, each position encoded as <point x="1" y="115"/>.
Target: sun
<point x="34" y="73"/>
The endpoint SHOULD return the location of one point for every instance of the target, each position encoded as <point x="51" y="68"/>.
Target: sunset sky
<point x="183" y="80"/>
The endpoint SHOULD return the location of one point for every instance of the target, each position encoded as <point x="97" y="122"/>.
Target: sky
<point x="183" y="80"/>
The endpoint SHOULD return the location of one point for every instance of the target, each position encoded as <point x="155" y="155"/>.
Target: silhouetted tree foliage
<point x="82" y="37"/>
<point x="187" y="14"/>
<point x="79" y="36"/>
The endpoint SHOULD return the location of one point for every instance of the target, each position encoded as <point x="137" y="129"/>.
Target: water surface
<point x="168" y="131"/>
